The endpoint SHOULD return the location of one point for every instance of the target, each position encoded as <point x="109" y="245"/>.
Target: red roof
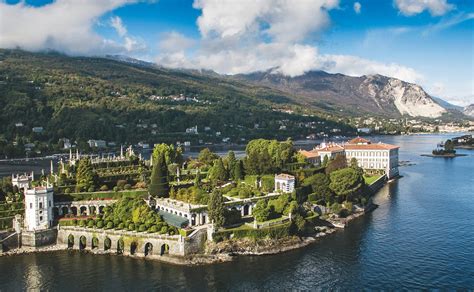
<point x="359" y="140"/>
<point x="309" y="154"/>
<point x="377" y="146"/>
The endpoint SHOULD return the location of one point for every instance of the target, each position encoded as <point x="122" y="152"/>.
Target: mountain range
<point x="97" y="97"/>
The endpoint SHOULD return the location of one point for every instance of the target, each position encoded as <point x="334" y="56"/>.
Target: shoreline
<point x="443" y="156"/>
<point x="234" y="248"/>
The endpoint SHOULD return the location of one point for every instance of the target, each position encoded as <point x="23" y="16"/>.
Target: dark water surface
<point x="421" y="236"/>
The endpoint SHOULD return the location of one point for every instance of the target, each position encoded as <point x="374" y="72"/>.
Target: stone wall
<point x="39" y="237"/>
<point x="139" y="244"/>
<point x="8" y="241"/>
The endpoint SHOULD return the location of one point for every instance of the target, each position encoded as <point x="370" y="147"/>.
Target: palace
<point x="372" y="157"/>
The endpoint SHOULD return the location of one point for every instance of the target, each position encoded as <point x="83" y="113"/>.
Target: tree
<point x="449" y="146"/>
<point x="85" y="177"/>
<point x="319" y="184"/>
<point x="238" y="171"/>
<point x="325" y="161"/>
<point x="231" y="161"/>
<point x="207" y="157"/>
<point x="346" y="182"/>
<point x="218" y="172"/>
<point x="171" y="154"/>
<point x="216" y="208"/>
<point x="339" y="162"/>
<point x="197" y="179"/>
<point x="159" y="185"/>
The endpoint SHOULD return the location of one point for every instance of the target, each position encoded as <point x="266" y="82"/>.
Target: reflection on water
<point x="420" y="237"/>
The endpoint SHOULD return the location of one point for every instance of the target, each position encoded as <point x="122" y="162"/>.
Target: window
<point x="31" y="205"/>
<point x="41" y="205"/>
<point x="49" y="204"/>
<point x="41" y="218"/>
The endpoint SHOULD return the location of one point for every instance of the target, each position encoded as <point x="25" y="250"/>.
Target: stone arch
<point x="65" y="210"/>
<point x="278" y="185"/>
<point x="165" y="249"/>
<point x="107" y="243"/>
<point x="82" y="242"/>
<point x="92" y="210"/>
<point x="246" y="210"/>
<point x="74" y="210"/>
<point x="120" y="246"/>
<point x="148" y="249"/>
<point x="55" y="212"/>
<point x="101" y="209"/>
<point x="95" y="242"/>
<point x="83" y="210"/>
<point x="133" y="247"/>
<point x="70" y="241"/>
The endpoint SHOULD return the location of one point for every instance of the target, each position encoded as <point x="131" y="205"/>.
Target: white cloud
<point x="117" y="24"/>
<point x="357" y="7"/>
<point x="265" y="34"/>
<point x="175" y="41"/>
<point x="413" y="7"/>
<point x="63" y="25"/>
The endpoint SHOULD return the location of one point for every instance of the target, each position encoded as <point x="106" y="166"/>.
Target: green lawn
<point x="370" y="179"/>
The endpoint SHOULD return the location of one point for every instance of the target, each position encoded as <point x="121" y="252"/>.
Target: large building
<point x="374" y="158"/>
<point x="39" y="208"/>
<point x="284" y="183"/>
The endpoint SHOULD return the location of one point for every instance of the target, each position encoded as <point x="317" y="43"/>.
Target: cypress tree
<point x="159" y="185"/>
<point x="216" y="208"/>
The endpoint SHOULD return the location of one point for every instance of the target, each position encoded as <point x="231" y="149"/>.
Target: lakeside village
<point x="194" y="210"/>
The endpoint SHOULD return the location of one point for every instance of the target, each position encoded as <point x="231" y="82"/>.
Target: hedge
<point x="100" y="195"/>
<point x="275" y="232"/>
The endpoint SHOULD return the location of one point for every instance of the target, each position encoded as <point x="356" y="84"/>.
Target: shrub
<point x="74" y="222"/>
<point x="82" y="223"/>
<point x="67" y="190"/>
<point x="153" y="229"/>
<point x="91" y="189"/>
<point x="142" y="228"/>
<point x="343" y="213"/>
<point x="127" y="187"/>
<point x="115" y="189"/>
<point x="131" y="227"/>
<point x="120" y="226"/>
<point x="121" y="184"/>
<point x="164" y="230"/>
<point x="104" y="188"/>
<point x="110" y="225"/>
<point x="100" y="224"/>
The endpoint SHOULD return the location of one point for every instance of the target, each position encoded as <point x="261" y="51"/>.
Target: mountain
<point x="447" y="105"/>
<point x="371" y="94"/>
<point x="126" y="101"/>
<point x="469" y="110"/>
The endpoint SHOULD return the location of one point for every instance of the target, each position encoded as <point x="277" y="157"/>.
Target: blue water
<point x="421" y="236"/>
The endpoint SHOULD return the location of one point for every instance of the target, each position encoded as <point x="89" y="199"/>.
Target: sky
<point x="428" y="42"/>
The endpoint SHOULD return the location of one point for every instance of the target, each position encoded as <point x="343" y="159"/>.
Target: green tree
<point x="216" y="208"/>
<point x="325" y="161"/>
<point x="159" y="185"/>
<point x="171" y="154"/>
<point x="207" y="157"/>
<point x="218" y="171"/>
<point x="346" y="182"/>
<point x="85" y="176"/>
<point x="238" y="171"/>
<point x="339" y="162"/>
<point x="320" y="189"/>
<point x="230" y="163"/>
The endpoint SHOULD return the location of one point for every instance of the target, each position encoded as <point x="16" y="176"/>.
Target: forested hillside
<point x="83" y="98"/>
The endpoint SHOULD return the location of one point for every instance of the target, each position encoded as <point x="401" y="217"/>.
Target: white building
<point x="378" y="157"/>
<point x="192" y="130"/>
<point x="97" y="143"/>
<point x="284" y="183"/>
<point x="39" y="208"/>
<point x="22" y="181"/>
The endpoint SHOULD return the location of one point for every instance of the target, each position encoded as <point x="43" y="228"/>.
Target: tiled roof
<point x="359" y="140"/>
<point x="331" y="148"/>
<point x="377" y="146"/>
<point x="309" y="154"/>
<point x="284" y="176"/>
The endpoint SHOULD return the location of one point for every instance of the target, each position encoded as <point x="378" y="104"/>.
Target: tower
<point x="39" y="205"/>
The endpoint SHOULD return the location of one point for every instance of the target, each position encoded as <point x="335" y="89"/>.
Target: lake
<point x="421" y="236"/>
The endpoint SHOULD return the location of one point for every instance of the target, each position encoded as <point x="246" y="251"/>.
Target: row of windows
<point x="367" y="153"/>
<point x="40" y="205"/>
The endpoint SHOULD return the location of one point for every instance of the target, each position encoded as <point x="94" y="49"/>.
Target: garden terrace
<point x="139" y="193"/>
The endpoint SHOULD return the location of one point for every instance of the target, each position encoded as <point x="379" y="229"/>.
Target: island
<point x="196" y="210"/>
<point x="444" y="150"/>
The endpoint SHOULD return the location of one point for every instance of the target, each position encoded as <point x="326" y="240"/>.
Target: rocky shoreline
<point x="221" y="252"/>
